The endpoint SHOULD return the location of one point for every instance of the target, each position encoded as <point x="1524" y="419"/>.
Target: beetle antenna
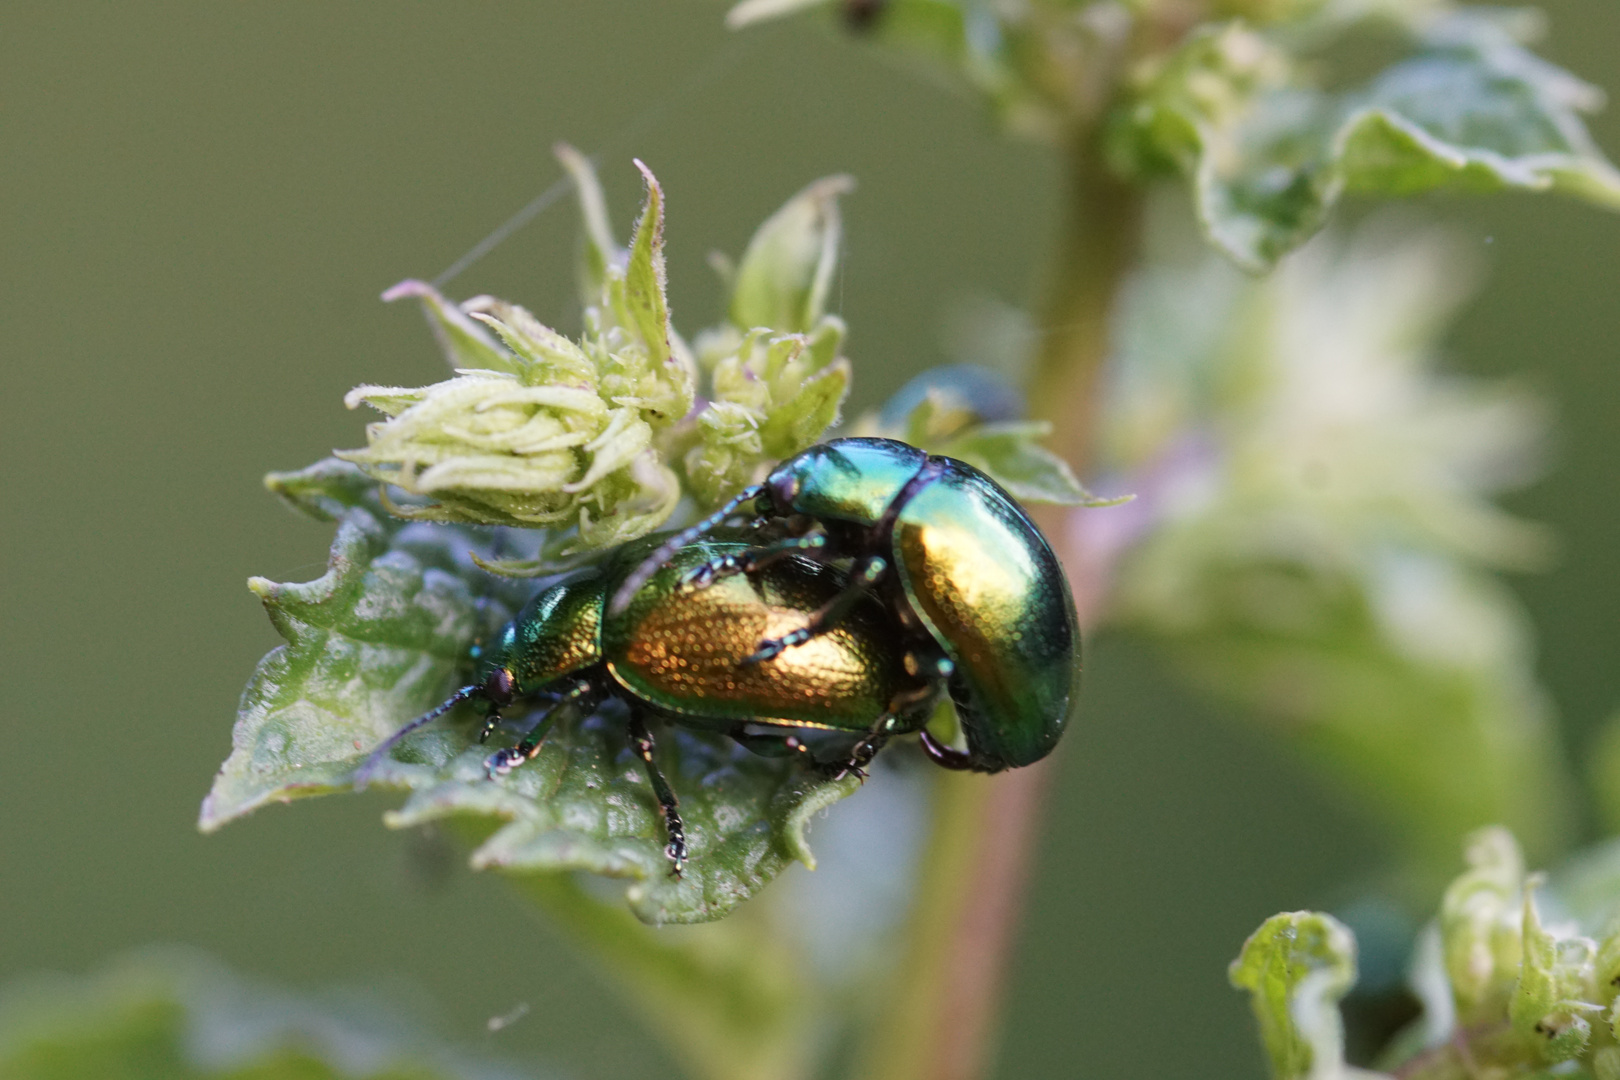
<point x="362" y="775"/>
<point x="666" y="551"/>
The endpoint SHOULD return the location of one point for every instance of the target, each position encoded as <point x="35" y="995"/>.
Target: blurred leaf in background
<point x="174" y="1014"/>
<point x="1314" y="534"/>
<point x="1248" y="100"/>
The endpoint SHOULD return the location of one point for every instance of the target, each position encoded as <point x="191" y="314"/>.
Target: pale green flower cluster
<point x="1314" y="524"/>
<point x="597" y="440"/>
<point x="1503" y="991"/>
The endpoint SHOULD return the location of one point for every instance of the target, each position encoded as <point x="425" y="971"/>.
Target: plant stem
<point x="729" y="1008"/>
<point x="1101" y="235"/>
<point x="977" y="867"/>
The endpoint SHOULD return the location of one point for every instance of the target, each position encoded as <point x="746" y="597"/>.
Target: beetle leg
<point x="641" y="739"/>
<point x="666" y="551"/>
<point x="941" y="754"/>
<point x="492" y="720"/>
<point x="753" y="559"/>
<point x="866" y="574"/>
<point x="368" y="768"/>
<point x="502" y="762"/>
<point x="860" y="755"/>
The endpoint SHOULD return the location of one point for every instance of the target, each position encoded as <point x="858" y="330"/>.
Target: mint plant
<point x="1312" y="540"/>
<point x="1505" y="991"/>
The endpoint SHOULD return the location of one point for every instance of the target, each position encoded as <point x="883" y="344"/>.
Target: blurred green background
<point x="200" y="205"/>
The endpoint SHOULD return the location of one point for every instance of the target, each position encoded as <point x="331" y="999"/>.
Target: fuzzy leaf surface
<point x="384" y="636"/>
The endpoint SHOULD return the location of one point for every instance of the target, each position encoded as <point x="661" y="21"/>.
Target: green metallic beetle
<point x="951" y="554"/>
<point x="683" y="656"/>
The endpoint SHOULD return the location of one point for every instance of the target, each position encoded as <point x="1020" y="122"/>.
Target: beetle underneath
<point x="684" y="656"/>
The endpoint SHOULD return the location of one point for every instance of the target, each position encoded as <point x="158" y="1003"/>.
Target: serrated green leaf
<point x="1011" y="454"/>
<point x="325" y="489"/>
<point x="1269" y="155"/>
<point x="1296" y="967"/>
<point x="383" y="636"/>
<point x="783" y="277"/>
<point x="175" y="1015"/>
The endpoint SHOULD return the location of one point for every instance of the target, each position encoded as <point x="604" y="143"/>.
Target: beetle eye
<point x="783" y="488"/>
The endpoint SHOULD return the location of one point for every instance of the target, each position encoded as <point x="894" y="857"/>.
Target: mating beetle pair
<point x="948" y="585"/>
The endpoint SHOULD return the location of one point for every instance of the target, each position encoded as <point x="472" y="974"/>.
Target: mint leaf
<point x="1296" y="967"/>
<point x="964" y="411"/>
<point x="384" y="635"/>
<point x="1269" y="155"/>
<point x="1011" y="454"/>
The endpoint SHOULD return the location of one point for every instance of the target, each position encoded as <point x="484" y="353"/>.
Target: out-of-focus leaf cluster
<point x="1248" y="100"/>
<point x="1515" y="979"/>
<point x="176" y="1015"/>
<point x="1314" y="533"/>
<point x="596" y="440"/>
<point x="1268" y="152"/>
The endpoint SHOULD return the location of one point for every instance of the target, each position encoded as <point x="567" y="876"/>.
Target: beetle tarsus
<point x="491" y="722"/>
<point x="754" y="559"/>
<point x="504" y="761"/>
<point x="641" y="739"/>
<point x="860" y="756"/>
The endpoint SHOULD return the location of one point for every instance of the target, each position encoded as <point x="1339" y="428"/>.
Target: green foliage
<point x="946" y="420"/>
<point x="384" y="635"/>
<point x="1504" y="993"/>
<point x="1268" y="155"/>
<point x="177" y="1016"/>
<point x="1235" y="96"/>
<point x="1296" y="967"/>
<point x="1313" y="532"/>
